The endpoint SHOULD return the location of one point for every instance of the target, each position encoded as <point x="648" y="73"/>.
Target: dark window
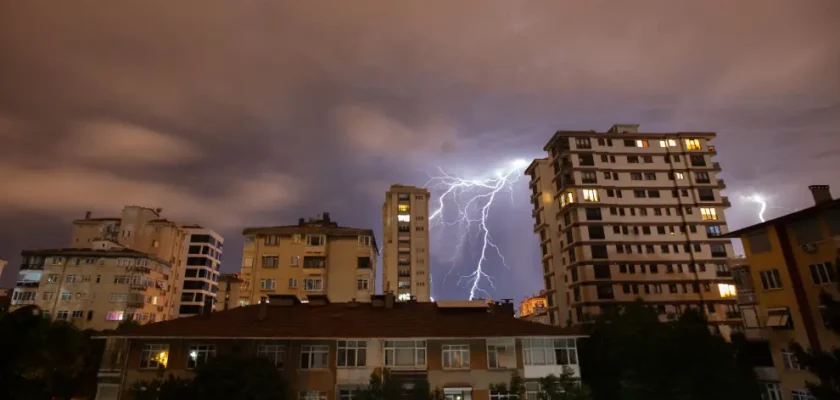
<point x="602" y="271"/>
<point x="706" y="194"/>
<point x="195" y="249"/>
<point x="314" y="262"/>
<point x="593" y="214"/>
<point x="702" y="177"/>
<point x="653" y="194"/>
<point x="629" y="143"/>
<point x="660" y="230"/>
<point x="196" y="285"/>
<point x="588" y="177"/>
<point x="191" y="273"/>
<point x="639" y="193"/>
<point x="192" y="309"/>
<point x="633" y="159"/>
<point x="583" y="143"/>
<point x="718" y="250"/>
<point x="654" y="268"/>
<point x="650" y="176"/>
<point x="698" y="161"/>
<point x="363" y="262"/>
<point x="196" y="261"/>
<point x="574" y="274"/>
<point x="586" y="160"/>
<point x="596" y="232"/>
<point x="714" y="231"/>
<point x="601" y="142"/>
<point x="635" y="176"/>
<point x="647" y="159"/>
<point x="646" y="230"/>
<point x="202" y="239"/>
<point x="599" y="251"/>
<point x="605" y="292"/>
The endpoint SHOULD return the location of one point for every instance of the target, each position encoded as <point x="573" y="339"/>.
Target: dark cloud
<point x="260" y="112"/>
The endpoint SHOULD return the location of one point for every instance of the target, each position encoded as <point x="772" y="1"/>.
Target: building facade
<point x="199" y="273"/>
<point x="405" y="243"/>
<point x="230" y="292"/>
<point x="624" y="215"/>
<point x="534" y="309"/>
<point x="333" y="348"/>
<point x="3" y="264"/>
<point x="790" y="261"/>
<point x="97" y="287"/>
<point x="314" y="257"/>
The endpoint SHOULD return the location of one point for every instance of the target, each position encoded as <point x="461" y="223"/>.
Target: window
<point x="403" y="218"/>
<point x="706" y="194"/>
<point x="314" y="262"/>
<point x="312" y="395"/>
<point x="365" y="241"/>
<point x="268" y="284"/>
<point x="702" y="177"/>
<point x="789" y="360"/>
<point x="593" y="214"/>
<point x="650" y="176"/>
<point x="270" y="261"/>
<point x="549" y="351"/>
<point x="588" y="177"/>
<point x="154" y="356"/>
<point x="590" y="195"/>
<point x="294" y="261"/>
<point x="635" y="176"/>
<point x="639" y="194"/>
<point x="599" y="252"/>
<point x="114" y="316"/>
<point x="315" y="240"/>
<point x="653" y="194"/>
<point x="352" y="353"/>
<point x="708" y="214"/>
<point x="713" y="231"/>
<point x="500" y="354"/>
<point x="692" y="144"/>
<point x="61" y="315"/>
<point x="802" y="394"/>
<point x="596" y="232"/>
<point x="698" y="161"/>
<point x="823" y="273"/>
<point x="348" y="394"/>
<point x="292" y="283"/>
<point x="314" y="357"/>
<point x="53" y="278"/>
<point x="456" y="356"/>
<point x="586" y="160"/>
<point x="405" y="353"/>
<point x="200" y="354"/>
<point x="668" y="143"/>
<point x="633" y="159"/>
<point x="70" y="279"/>
<point x="771" y="391"/>
<point x="362" y="284"/>
<point x="717" y="250"/>
<point x="313" y="284"/>
<point x="770" y="279"/>
<point x="64" y="296"/>
<point x="403" y="208"/>
<point x="272" y="352"/>
<point x="363" y="262"/>
<point x="583" y="143"/>
<point x="726" y="290"/>
<point x="272" y="240"/>
<point x="642" y="143"/>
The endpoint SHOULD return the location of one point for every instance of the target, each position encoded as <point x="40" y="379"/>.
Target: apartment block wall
<point x="546" y="226"/>
<point x="776" y="247"/>
<point x="90" y="282"/>
<point x="328" y="380"/>
<point x="625" y="202"/>
<point x="341" y="277"/>
<point x="405" y="255"/>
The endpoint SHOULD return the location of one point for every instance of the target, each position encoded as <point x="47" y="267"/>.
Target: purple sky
<point x="252" y="113"/>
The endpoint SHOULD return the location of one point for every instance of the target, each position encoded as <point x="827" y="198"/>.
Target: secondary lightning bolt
<point x="472" y="200"/>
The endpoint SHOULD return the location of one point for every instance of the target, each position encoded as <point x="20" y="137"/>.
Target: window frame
<point x="274" y="352"/>
<point x="457" y="356"/>
<point x="311" y="353"/>
<point x="203" y="351"/>
<point x="419" y="348"/>
<point x="354" y="352"/>
<point x="148" y="359"/>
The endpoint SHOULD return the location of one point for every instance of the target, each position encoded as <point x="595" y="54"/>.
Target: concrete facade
<point x="405" y="243"/>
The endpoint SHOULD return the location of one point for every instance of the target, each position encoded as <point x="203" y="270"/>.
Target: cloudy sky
<point x="252" y="113"/>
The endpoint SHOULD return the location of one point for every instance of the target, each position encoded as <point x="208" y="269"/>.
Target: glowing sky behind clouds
<point x="259" y="112"/>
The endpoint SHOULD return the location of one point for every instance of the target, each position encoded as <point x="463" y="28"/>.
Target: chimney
<point x="504" y="307"/>
<point x="821" y="193"/>
<point x="262" y="314"/>
<point x="301" y="221"/>
<point x="326" y="217"/>
<point x="389" y="300"/>
<point x="87" y="214"/>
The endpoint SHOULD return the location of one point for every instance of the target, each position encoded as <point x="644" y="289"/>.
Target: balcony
<point x="725" y="201"/>
<point x="747" y="298"/>
<point x="31" y="266"/>
<point x="711" y="149"/>
<point x="720" y="254"/>
<point x="138" y="286"/>
<point x="142" y="270"/>
<point x="28" y="284"/>
<point x="733" y="315"/>
<point x="721" y="183"/>
<point x="716" y="166"/>
<point x="723" y="274"/>
<point x="404" y="273"/>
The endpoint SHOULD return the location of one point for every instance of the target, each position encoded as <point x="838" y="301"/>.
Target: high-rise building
<point x="198" y="274"/>
<point x="314" y="257"/>
<point x="96" y="287"/>
<point x="790" y="261"/>
<point x="405" y="230"/>
<point x="625" y="215"/>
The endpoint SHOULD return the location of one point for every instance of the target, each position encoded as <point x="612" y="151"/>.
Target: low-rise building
<point x="328" y="350"/>
<point x="97" y="287"/>
<point x="790" y="261"/>
<point x="534" y="309"/>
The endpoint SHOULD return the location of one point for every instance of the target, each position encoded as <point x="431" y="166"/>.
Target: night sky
<point x="235" y="114"/>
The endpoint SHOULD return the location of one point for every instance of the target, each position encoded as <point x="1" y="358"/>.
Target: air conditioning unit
<point x="809" y="248"/>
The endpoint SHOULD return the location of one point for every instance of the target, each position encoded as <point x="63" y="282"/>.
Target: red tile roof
<point x="348" y="320"/>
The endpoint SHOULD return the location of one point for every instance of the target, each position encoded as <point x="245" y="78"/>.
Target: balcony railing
<point x="723" y="274"/>
<point x="716" y="166"/>
<point x="138" y="286"/>
<point x="31" y="266"/>
<point x="733" y="315"/>
<point x="28" y="284"/>
<point x="746" y="298"/>
<point x="721" y="183"/>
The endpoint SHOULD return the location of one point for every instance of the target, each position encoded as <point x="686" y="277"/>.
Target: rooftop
<point x="89" y="252"/>
<point x="627" y="131"/>
<point x="322" y="225"/>
<point x="348" y="320"/>
<point x="792" y="217"/>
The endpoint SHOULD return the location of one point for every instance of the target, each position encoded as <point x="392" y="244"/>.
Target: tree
<point x="564" y="387"/>
<point x="516" y="387"/>
<point x="631" y="355"/>
<point x="383" y="387"/>
<point x="44" y="359"/>
<point x="170" y="388"/>
<point x="824" y="364"/>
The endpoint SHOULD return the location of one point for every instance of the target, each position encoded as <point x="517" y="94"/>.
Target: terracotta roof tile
<point x="348" y="320"/>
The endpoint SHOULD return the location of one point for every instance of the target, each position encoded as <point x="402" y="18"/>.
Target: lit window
<point x="154" y="356"/>
<point x="199" y="355"/>
<point x="726" y="290"/>
<point x="404" y="297"/>
<point x="402" y="207"/>
<point x="114" y="316"/>
<point x="566" y="199"/>
<point x="668" y="143"/>
<point x="590" y="195"/>
<point x="692" y="144"/>
<point x="352" y="353"/>
<point x="679" y="175"/>
<point x="403" y="218"/>
<point x="642" y="143"/>
<point x="708" y="214"/>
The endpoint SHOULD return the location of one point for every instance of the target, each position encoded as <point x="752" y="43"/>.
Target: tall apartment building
<point x="193" y="252"/>
<point x="200" y="270"/>
<point x="230" y="292"/>
<point x="314" y="257"/>
<point x="623" y="215"/>
<point x="464" y="349"/>
<point x="96" y="287"/>
<point x="790" y="261"/>
<point x="405" y="230"/>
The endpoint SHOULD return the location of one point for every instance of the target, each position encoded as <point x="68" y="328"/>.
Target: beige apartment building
<point x="314" y="257"/>
<point x="625" y="215"/>
<point x="405" y="255"/>
<point x="230" y="292"/>
<point x="96" y="287"/>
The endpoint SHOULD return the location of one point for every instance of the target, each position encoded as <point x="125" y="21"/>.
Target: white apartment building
<point x="405" y="255"/>
<point x="199" y="272"/>
<point x="623" y="215"/>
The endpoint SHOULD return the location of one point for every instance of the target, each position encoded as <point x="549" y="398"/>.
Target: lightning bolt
<point x="472" y="200"/>
<point x="761" y="201"/>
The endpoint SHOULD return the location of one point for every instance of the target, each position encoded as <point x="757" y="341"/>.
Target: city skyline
<point x="219" y="131"/>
